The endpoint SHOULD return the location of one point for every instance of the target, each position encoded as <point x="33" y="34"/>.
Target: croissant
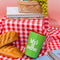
<point x="8" y="37"/>
<point x="11" y="51"/>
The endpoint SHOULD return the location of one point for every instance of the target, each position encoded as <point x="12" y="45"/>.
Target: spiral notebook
<point x="45" y="57"/>
<point x="13" y="12"/>
<point x="55" y="54"/>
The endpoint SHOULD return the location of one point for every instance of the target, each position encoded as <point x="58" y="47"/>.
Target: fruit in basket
<point x="29" y="7"/>
<point x="43" y="3"/>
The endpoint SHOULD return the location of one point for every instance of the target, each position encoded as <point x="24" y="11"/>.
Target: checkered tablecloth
<point x="23" y="27"/>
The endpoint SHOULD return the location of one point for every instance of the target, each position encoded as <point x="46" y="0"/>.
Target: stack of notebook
<point x="54" y="55"/>
<point x="12" y="12"/>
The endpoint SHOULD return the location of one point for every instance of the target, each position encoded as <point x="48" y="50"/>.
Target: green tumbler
<point x="34" y="44"/>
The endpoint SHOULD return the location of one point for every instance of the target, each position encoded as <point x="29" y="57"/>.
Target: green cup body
<point x="34" y="44"/>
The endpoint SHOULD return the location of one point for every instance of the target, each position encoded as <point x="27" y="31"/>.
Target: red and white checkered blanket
<point x="23" y="27"/>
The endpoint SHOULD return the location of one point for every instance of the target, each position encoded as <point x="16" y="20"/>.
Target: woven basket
<point x="29" y="7"/>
